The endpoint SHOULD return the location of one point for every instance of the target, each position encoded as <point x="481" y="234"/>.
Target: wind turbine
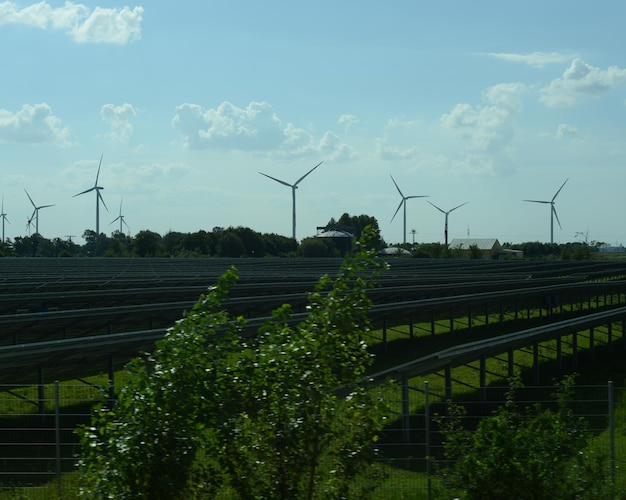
<point x="4" y="218"/>
<point x="36" y="212"/>
<point x="29" y="223"/>
<point x="99" y="198"/>
<point x="120" y="217"/>
<point x="446" y="214"/>
<point x="553" y="213"/>
<point x="403" y="202"/>
<point x="293" y="194"/>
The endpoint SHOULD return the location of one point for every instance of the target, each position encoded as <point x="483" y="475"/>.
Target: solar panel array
<point x="58" y="315"/>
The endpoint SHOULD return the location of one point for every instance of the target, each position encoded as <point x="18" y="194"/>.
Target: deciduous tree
<point x="279" y="414"/>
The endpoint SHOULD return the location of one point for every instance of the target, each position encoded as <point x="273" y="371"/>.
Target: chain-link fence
<point x="39" y="445"/>
<point x="412" y="445"/>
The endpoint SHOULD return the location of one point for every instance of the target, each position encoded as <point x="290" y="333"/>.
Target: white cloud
<point x="581" y="81"/>
<point x="331" y="147"/>
<point x="566" y="130"/>
<point x="348" y="120"/>
<point x="32" y="125"/>
<point x="118" y="119"/>
<point x="391" y="153"/>
<point x="102" y="25"/>
<point x="489" y="127"/>
<point x="255" y="128"/>
<point x="535" y="59"/>
<point x="400" y="123"/>
<point x="484" y="165"/>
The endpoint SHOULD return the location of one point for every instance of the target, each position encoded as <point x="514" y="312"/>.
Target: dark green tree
<point x="196" y="243"/>
<point x="172" y="243"/>
<point x="317" y="247"/>
<point x="230" y="245"/>
<point x="356" y="224"/>
<point x="147" y="244"/>
<point x="95" y="244"/>
<point x="253" y="242"/>
<point x="280" y="246"/>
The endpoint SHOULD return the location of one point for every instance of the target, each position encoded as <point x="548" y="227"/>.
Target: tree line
<point x="243" y="241"/>
<point x="237" y="241"/>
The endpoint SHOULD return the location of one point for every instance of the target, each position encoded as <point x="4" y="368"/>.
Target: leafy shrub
<point x="524" y="453"/>
<point x="277" y="415"/>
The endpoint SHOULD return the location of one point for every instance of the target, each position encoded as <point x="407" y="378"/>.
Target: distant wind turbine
<point x="403" y="202"/>
<point x="29" y="224"/>
<point x="4" y="218"/>
<point x="120" y="217"/>
<point x="36" y="212"/>
<point x="293" y="194"/>
<point x="99" y="198"/>
<point x="446" y="214"/>
<point x="553" y="213"/>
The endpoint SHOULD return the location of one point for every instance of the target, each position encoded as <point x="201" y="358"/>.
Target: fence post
<point x="427" y="440"/>
<point x="57" y="433"/>
<point x="385" y="332"/>
<point x="41" y="390"/>
<point x="611" y="432"/>
<point x="406" y="408"/>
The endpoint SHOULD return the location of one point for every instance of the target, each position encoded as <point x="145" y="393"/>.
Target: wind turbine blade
<point x="83" y="192"/>
<point x="458" y="206"/>
<point x="397" y="209"/>
<point x="410" y="197"/>
<point x="102" y="199"/>
<point x="556" y="215"/>
<point x="117" y="218"/>
<point x="277" y="180"/>
<point x="124" y="222"/>
<point x="442" y="211"/>
<point x="557" y="193"/>
<point x="296" y="183"/>
<point x="396" y="184"/>
<point x="44" y="206"/>
<point x="99" y="165"/>
<point x="31" y="200"/>
<point x="538" y="201"/>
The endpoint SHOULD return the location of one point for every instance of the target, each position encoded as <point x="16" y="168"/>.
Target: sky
<point x="485" y="104"/>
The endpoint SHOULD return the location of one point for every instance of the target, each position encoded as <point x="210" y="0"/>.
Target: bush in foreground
<point x="261" y="416"/>
<point x="524" y="453"/>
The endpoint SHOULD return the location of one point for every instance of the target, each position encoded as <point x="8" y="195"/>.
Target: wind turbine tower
<point x="36" y="212"/>
<point x="4" y="218"/>
<point x="403" y="203"/>
<point x="445" y="231"/>
<point x="99" y="198"/>
<point x="553" y="213"/>
<point x="120" y="217"/>
<point x="293" y="195"/>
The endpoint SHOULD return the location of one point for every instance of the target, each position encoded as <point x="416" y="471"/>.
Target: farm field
<point x="420" y="308"/>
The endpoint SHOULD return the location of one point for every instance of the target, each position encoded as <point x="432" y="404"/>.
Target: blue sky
<point x="486" y="102"/>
